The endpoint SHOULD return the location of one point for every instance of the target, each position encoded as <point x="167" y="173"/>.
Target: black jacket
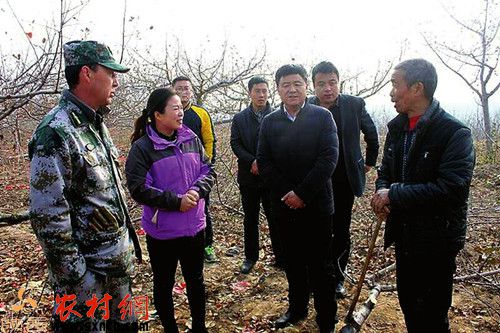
<point x="429" y="209"/>
<point x="353" y="120"/>
<point x="244" y="140"/>
<point x="299" y="155"/>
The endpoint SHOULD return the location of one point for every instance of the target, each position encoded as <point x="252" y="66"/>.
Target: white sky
<point x="353" y="34"/>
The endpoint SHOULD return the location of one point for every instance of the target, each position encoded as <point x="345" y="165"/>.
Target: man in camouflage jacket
<point x="78" y="208"/>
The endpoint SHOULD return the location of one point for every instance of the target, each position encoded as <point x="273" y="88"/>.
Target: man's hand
<point x="254" y="169"/>
<point x="188" y="201"/>
<point x="293" y="201"/>
<point x="368" y="168"/>
<point x="380" y="203"/>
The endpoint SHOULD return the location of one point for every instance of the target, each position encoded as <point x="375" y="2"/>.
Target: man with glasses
<point x="348" y="179"/>
<point x="198" y="120"/>
<point x="296" y="156"/>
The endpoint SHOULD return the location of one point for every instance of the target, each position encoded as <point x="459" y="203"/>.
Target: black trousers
<point x="164" y="255"/>
<point x="307" y="240"/>
<point x="343" y="200"/>
<point x="251" y="197"/>
<point x="425" y="285"/>
<point x="209" y="232"/>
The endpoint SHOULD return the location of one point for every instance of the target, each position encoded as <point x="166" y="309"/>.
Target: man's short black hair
<point x="256" y="80"/>
<point x="290" y="69"/>
<point x="72" y="74"/>
<point x="420" y="70"/>
<point x="325" y="67"/>
<point x="181" y="78"/>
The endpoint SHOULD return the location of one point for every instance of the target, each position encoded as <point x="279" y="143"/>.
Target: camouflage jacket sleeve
<point x="50" y="209"/>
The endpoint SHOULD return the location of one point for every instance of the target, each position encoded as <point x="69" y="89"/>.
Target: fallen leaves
<point x="180" y="288"/>
<point x="249" y="303"/>
<point x="240" y="286"/>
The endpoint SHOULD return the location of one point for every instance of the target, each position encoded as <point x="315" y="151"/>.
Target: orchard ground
<point x="251" y="303"/>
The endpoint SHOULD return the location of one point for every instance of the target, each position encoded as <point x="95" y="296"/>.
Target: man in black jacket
<point x="297" y="153"/>
<point x="244" y="140"/>
<point x="423" y="189"/>
<point x="348" y="179"/>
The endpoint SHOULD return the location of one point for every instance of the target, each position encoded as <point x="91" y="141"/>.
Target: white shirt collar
<point x="289" y="115"/>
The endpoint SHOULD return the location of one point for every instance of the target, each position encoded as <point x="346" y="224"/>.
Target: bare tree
<point x="476" y="64"/>
<point x="216" y="79"/>
<point x="25" y="78"/>
<point x="365" y="84"/>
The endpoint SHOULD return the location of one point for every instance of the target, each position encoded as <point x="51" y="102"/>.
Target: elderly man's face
<point x="292" y="90"/>
<point x="401" y="95"/>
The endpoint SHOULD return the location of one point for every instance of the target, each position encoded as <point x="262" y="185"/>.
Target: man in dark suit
<point x="348" y="179"/>
<point x="244" y="140"/>
<point x="297" y="153"/>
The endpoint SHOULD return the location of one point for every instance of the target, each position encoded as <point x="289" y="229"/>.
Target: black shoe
<point x="247" y="266"/>
<point x="288" y="319"/>
<point x="327" y="330"/>
<point x="340" y="291"/>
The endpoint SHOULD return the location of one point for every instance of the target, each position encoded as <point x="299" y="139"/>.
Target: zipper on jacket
<point x="178" y="156"/>
<point x="407" y="150"/>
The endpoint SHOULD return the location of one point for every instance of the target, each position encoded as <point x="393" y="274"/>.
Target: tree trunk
<point x="487" y="123"/>
<point x="17" y="134"/>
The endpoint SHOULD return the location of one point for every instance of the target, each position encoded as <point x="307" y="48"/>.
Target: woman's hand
<point x="188" y="201"/>
<point x="194" y="194"/>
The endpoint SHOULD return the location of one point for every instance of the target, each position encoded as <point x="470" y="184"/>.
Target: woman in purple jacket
<point x="170" y="175"/>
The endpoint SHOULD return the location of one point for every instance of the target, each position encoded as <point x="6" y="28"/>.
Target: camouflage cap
<point x="87" y="52"/>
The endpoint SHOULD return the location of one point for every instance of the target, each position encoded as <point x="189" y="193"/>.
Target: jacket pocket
<point x="427" y="164"/>
<point x="95" y="173"/>
<point x="91" y="158"/>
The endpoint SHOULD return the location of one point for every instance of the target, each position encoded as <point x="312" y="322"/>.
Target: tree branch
<point x="29" y="95"/>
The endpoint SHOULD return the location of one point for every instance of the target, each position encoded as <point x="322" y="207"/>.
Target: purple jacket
<point x="159" y="172"/>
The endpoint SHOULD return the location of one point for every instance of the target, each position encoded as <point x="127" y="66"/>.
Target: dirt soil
<point x="250" y="303"/>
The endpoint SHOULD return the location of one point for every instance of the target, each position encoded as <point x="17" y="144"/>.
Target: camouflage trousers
<point x="93" y="305"/>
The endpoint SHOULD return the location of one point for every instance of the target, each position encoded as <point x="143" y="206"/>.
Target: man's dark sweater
<point x="299" y="155"/>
